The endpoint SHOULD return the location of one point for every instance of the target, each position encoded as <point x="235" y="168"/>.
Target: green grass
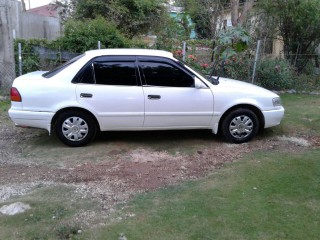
<point x="264" y="196"/>
<point x="4" y="105"/>
<point x="52" y="214"/>
<point x="302" y="115"/>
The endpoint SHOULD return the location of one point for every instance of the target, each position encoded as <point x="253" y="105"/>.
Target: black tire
<point x="75" y="128"/>
<point x="240" y="125"/>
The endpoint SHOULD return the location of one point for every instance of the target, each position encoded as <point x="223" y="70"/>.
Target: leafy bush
<point x="31" y="60"/>
<point x="230" y="54"/>
<point x="199" y="43"/>
<point x="168" y="38"/>
<point x="194" y="62"/>
<point x="230" y="42"/>
<point x="80" y="36"/>
<point x="237" y="67"/>
<point x="307" y="82"/>
<point x="275" y="74"/>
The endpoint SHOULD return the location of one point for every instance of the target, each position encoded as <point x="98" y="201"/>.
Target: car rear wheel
<point x="75" y="128"/>
<point x="240" y="125"/>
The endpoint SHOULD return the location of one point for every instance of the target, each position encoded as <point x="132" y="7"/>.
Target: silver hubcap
<point x="75" y="129"/>
<point x="241" y="127"/>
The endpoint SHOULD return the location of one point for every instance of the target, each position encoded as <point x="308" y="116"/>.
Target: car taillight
<point x="15" y="95"/>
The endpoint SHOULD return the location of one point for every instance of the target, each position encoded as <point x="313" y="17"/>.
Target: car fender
<point x="220" y="110"/>
<point x="74" y="105"/>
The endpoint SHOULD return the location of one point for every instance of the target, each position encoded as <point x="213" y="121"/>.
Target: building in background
<point x="49" y="10"/>
<point x="177" y="13"/>
<point x="41" y="22"/>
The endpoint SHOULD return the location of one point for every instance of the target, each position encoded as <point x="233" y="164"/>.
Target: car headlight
<point x="277" y="102"/>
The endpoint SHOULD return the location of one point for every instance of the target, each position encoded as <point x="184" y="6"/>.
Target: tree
<point x="206" y="14"/>
<point x="210" y="15"/>
<point x="80" y="36"/>
<point x="297" y="23"/>
<point x="168" y="36"/>
<point x="132" y="17"/>
<point x="239" y="16"/>
<point x="185" y="26"/>
<point x="65" y="8"/>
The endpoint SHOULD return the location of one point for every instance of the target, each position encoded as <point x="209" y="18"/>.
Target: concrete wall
<point x="7" y="70"/>
<point x="29" y="25"/>
<point x="36" y="26"/>
<point x="17" y="24"/>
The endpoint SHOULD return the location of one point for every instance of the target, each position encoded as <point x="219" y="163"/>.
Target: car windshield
<point x="195" y="71"/>
<point x="211" y="79"/>
<point x="61" y="67"/>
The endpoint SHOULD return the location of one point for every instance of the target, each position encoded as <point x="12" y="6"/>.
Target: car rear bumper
<point x="31" y="119"/>
<point x="273" y="117"/>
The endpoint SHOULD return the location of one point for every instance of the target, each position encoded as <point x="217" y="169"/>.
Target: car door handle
<point x="86" y="95"/>
<point x="154" y="97"/>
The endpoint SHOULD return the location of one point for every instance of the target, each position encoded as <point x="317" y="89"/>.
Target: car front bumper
<point x="273" y="117"/>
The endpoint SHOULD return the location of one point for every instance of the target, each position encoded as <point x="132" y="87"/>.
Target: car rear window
<point x="61" y="67"/>
<point x="115" y="73"/>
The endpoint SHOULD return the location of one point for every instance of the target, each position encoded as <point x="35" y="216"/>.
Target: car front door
<point x="171" y="99"/>
<point x="109" y="86"/>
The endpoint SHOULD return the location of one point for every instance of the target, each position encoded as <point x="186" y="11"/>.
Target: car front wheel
<point x="75" y="128"/>
<point x="240" y="125"/>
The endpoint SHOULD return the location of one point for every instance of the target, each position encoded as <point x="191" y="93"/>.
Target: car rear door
<point x="109" y="86"/>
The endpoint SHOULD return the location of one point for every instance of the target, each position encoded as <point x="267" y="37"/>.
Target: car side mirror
<point x="198" y="84"/>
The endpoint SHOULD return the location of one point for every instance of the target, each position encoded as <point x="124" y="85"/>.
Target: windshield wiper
<point x="212" y="79"/>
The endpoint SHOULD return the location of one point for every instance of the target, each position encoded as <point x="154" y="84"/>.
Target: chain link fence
<point x="272" y="71"/>
<point x="40" y="58"/>
<point x="7" y="75"/>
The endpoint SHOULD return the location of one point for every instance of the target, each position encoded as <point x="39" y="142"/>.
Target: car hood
<point x="237" y="85"/>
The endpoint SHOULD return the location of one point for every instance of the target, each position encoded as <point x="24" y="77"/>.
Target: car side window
<point x="115" y="73"/>
<point x="85" y="75"/>
<point x="165" y="75"/>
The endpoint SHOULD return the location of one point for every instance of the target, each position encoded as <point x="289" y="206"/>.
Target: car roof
<point x="129" y="52"/>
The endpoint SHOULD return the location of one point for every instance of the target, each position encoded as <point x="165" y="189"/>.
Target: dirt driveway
<point x="117" y="165"/>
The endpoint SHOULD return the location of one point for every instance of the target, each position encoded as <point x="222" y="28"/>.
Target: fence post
<point x="184" y="47"/>
<point x="255" y="61"/>
<point x="99" y="45"/>
<point x="20" y="59"/>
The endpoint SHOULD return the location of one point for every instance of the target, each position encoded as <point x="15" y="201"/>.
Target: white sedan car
<point x="136" y="89"/>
